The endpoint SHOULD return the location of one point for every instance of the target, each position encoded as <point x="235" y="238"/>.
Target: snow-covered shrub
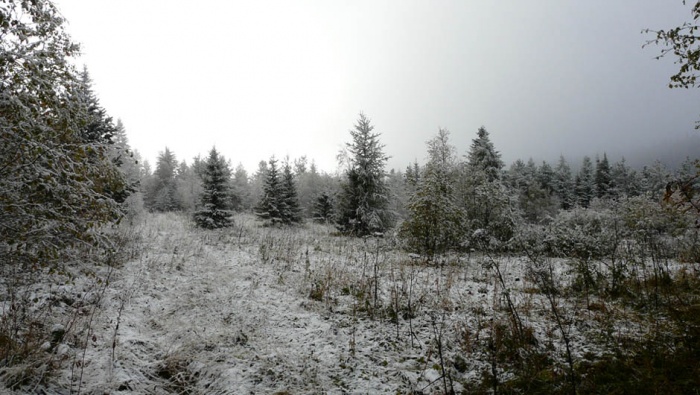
<point x="582" y="233"/>
<point x="657" y="229"/>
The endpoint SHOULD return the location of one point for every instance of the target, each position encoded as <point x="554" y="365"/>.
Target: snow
<point x="253" y="309"/>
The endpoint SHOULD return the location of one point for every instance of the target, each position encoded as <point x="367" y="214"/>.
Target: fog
<point x="289" y="78"/>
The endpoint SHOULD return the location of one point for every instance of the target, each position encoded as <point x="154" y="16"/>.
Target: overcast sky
<point x="257" y="78"/>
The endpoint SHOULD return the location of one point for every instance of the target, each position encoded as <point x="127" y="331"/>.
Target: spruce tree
<point x="603" y="177"/>
<point x="546" y="177"/>
<point x="215" y="199"/>
<point x="564" y="184"/>
<point x="625" y="180"/>
<point x="57" y="188"/>
<point x="162" y="192"/>
<point x="585" y="183"/>
<point x="242" y="188"/>
<point x="483" y="196"/>
<point x="483" y="156"/>
<point x="435" y="223"/>
<point x="292" y="212"/>
<point x="271" y="206"/>
<point x="97" y="126"/>
<point x="364" y="197"/>
<point x="323" y="208"/>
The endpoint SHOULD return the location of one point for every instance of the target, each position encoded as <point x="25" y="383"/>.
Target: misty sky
<point x="258" y="78"/>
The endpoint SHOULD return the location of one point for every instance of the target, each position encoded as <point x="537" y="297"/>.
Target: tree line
<point x="66" y="169"/>
<point x="448" y="203"/>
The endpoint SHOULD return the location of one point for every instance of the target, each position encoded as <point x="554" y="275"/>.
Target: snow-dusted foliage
<point x="625" y="180"/>
<point x="302" y="310"/>
<point x="216" y="197"/>
<point x="484" y="157"/>
<point x="160" y="192"/>
<point x="57" y="186"/>
<point x="483" y="196"/>
<point x="564" y="184"/>
<point x="290" y="197"/>
<point x="279" y="203"/>
<point x="323" y="210"/>
<point x="60" y="185"/>
<point x="533" y="188"/>
<point x="363" y="201"/>
<point x="436" y="222"/>
<point x="603" y="177"/>
<point x="585" y="183"/>
<point x="270" y="207"/>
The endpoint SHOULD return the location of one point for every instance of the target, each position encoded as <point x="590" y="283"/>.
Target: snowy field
<point x="252" y="309"/>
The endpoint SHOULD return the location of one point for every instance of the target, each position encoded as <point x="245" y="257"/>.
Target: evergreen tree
<point x="56" y="187"/>
<point x="399" y="193"/>
<point x="291" y="213"/>
<point x="323" y="208"/>
<point x="547" y="178"/>
<point x="564" y="184"/>
<point x="257" y="182"/>
<point x="272" y="206"/>
<point x="483" y="156"/>
<point x="623" y="183"/>
<point x="215" y="209"/>
<point x="364" y="197"/>
<point x="516" y="178"/>
<point x="162" y="193"/>
<point x="435" y="222"/>
<point x="125" y="158"/>
<point x="484" y="197"/>
<point x="188" y="184"/>
<point x="97" y="126"/>
<point x="603" y="178"/>
<point x="308" y="182"/>
<point x="534" y="189"/>
<point x="412" y="175"/>
<point x="585" y="183"/>
<point x="242" y="188"/>
<point x="300" y="165"/>
<point x="654" y="179"/>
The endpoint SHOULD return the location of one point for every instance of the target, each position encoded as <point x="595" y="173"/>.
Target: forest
<point x="461" y="274"/>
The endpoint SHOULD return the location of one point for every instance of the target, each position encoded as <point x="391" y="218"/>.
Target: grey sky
<point x="259" y="78"/>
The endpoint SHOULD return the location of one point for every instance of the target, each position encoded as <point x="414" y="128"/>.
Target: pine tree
<point x="323" y="208"/>
<point x="97" y="126"/>
<point x="516" y="178"/>
<point x="56" y="187"/>
<point x="483" y="156"/>
<point x="412" y="175"/>
<point x="162" y="193"/>
<point x="292" y="212"/>
<point x="435" y="222"/>
<point x="272" y="206"/>
<point x="655" y="178"/>
<point x="308" y="182"/>
<point x="215" y="209"/>
<point x="585" y="183"/>
<point x="188" y="184"/>
<point x="483" y="197"/>
<point x="364" y="197"/>
<point x="564" y="184"/>
<point x="603" y="178"/>
<point x="546" y="177"/>
<point x="242" y="188"/>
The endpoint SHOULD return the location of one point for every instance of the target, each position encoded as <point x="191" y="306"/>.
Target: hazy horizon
<point x="289" y="78"/>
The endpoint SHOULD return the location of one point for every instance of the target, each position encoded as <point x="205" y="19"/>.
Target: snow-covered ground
<point x="252" y="309"/>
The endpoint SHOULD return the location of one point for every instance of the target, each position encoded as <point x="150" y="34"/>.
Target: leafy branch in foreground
<point x="57" y="187"/>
